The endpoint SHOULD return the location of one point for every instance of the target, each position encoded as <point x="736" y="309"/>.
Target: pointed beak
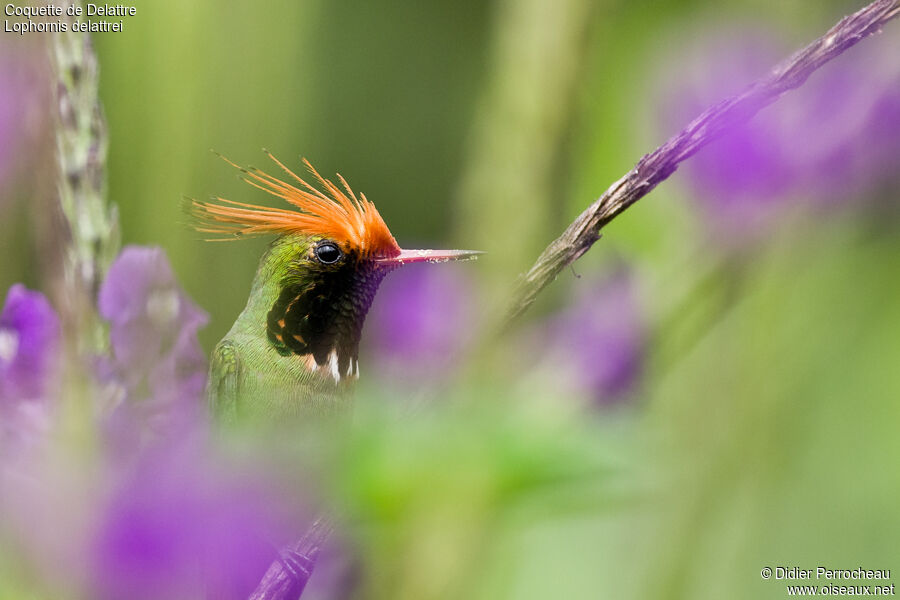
<point x="431" y="256"/>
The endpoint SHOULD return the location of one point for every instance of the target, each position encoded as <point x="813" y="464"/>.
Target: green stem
<point x="506" y="196"/>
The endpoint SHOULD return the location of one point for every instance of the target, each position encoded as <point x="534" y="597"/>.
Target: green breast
<point x="270" y="384"/>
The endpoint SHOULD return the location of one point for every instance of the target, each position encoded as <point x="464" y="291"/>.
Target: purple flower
<point x="834" y="138"/>
<point x="420" y="321"/>
<point x="29" y="345"/>
<point x="156" y="357"/>
<point x="181" y="526"/>
<point x="595" y="347"/>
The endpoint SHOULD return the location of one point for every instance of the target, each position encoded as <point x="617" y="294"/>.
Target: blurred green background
<point x="764" y="432"/>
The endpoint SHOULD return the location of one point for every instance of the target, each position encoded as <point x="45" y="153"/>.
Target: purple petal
<point x="421" y="319"/>
<point x="153" y="325"/>
<point x="181" y="527"/>
<point x="596" y="346"/>
<point x="830" y="140"/>
<point x="156" y="358"/>
<point x="29" y="345"/>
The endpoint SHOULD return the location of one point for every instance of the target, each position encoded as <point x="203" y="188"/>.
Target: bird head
<point x="319" y="277"/>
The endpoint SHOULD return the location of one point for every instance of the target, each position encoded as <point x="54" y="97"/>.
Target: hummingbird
<point x="294" y="349"/>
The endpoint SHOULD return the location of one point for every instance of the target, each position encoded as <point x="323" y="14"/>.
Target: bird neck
<point x="316" y="319"/>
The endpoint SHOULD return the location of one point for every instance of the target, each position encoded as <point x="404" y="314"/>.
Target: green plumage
<point x="253" y="370"/>
<point x="294" y="348"/>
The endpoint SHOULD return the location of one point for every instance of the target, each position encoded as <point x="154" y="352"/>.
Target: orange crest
<point x="352" y="222"/>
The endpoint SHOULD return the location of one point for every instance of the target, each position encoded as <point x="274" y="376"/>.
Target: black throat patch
<point x="325" y="314"/>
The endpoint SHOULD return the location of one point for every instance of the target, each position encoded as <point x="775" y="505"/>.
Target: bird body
<point x="294" y="350"/>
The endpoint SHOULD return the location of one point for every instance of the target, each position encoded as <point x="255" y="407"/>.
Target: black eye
<point x="328" y="253"/>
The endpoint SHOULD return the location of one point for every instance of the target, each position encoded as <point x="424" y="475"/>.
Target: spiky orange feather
<point x="352" y="221"/>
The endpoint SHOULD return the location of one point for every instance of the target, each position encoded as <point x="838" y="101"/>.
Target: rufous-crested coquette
<point x="295" y="347"/>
